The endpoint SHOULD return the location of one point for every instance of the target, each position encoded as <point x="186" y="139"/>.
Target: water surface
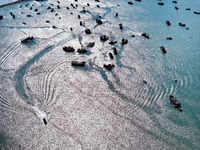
<point x="91" y="107"/>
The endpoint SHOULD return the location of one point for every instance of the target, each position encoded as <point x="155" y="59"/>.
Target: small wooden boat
<point x="45" y="121"/>
<point x="104" y="38"/>
<point x="76" y="63"/>
<point x="109" y="66"/>
<point x="181" y="24"/>
<point x="162" y="48"/>
<point x="145" y="35"/>
<point x="91" y="44"/>
<point x="112" y="42"/>
<point x="82" y="51"/>
<point x="175" y="102"/>
<point x="68" y="49"/>
<point x="26" y="40"/>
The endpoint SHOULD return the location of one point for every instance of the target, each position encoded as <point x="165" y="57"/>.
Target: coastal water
<point x="91" y="107"/>
<point x="3" y="2"/>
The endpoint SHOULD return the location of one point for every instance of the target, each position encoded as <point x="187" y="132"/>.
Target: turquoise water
<point x="91" y="107"/>
<point x="3" y="2"/>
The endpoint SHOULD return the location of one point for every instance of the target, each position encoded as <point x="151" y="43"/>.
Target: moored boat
<point x="26" y="40"/>
<point x="77" y="63"/>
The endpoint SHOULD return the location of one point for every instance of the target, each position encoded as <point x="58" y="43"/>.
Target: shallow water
<point x="91" y="107"/>
<point x="3" y="2"/>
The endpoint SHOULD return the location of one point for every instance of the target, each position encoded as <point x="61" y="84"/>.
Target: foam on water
<point x="41" y="114"/>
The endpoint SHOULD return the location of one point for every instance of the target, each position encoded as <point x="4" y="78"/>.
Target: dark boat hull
<point x="26" y="40"/>
<point x="175" y="103"/>
<point x="76" y="63"/>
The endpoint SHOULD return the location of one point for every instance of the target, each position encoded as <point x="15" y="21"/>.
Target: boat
<point x="162" y="48"/>
<point x="91" y="44"/>
<point x="45" y="121"/>
<point x="109" y="66"/>
<point x="76" y="63"/>
<point x="26" y="40"/>
<point x="68" y="49"/>
<point x="82" y="51"/>
<point x="175" y="102"/>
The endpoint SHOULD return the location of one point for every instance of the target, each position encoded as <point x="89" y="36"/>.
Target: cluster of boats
<point x="172" y="99"/>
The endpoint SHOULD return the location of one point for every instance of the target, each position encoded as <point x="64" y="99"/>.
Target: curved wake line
<point x="9" y="54"/>
<point x="20" y="86"/>
<point x="47" y="79"/>
<point x="19" y="74"/>
<point x="140" y="106"/>
<point x="4" y="103"/>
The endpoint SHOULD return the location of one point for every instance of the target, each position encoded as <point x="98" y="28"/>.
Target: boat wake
<point x="40" y="114"/>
